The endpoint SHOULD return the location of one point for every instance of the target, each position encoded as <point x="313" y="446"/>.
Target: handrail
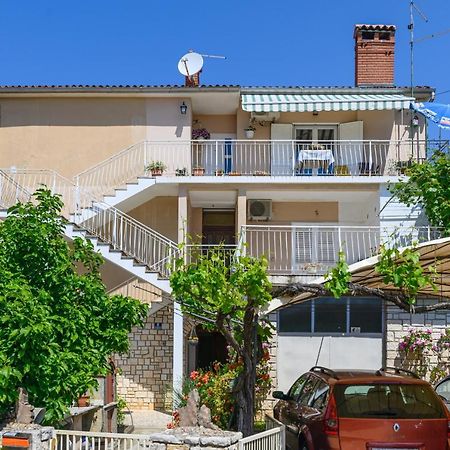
<point x="111" y="225"/>
<point x="289" y="157"/>
<point x="11" y="192"/>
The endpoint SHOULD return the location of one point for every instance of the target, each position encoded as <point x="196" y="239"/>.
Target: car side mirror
<point x="280" y="395"/>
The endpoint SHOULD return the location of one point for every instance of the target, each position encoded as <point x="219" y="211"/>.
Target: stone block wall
<point x="145" y="373"/>
<point x="398" y="323"/>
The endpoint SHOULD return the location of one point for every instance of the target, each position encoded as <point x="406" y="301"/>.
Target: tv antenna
<point x="191" y="64"/>
<point x="413" y="6"/>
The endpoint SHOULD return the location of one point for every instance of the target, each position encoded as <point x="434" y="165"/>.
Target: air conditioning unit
<point x="265" y="116"/>
<point x="260" y="209"/>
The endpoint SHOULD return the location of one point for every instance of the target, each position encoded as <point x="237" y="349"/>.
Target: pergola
<point x="432" y="253"/>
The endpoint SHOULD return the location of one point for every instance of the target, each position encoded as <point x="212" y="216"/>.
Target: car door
<point x="287" y="408"/>
<point x="313" y="415"/>
<point x="297" y="412"/>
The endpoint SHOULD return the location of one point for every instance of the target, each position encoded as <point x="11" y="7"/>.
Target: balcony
<point x="271" y="158"/>
<point x="311" y="251"/>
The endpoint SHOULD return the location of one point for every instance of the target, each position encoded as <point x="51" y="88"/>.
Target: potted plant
<point x="250" y="132"/>
<point x="200" y="134"/>
<point x="260" y="173"/>
<point x="218" y="173"/>
<point x="156" y="168"/>
<point x="181" y="172"/>
<point x="198" y="171"/>
<point x="234" y="174"/>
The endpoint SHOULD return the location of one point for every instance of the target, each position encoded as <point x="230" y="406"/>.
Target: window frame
<point x="347" y="333"/>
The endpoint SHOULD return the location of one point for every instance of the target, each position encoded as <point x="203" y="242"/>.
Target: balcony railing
<point x="313" y="250"/>
<point x="276" y="158"/>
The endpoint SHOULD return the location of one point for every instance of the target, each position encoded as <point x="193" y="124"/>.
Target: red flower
<point x="193" y="375"/>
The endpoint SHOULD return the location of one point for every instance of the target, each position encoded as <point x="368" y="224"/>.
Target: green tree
<point x="428" y="185"/>
<point x="58" y="326"/>
<point x="230" y="293"/>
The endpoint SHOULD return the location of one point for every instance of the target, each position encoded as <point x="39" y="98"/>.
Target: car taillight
<point x="330" y="421"/>
<point x="448" y="428"/>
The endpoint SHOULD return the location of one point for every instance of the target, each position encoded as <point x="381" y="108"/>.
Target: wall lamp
<point x="183" y="108"/>
<point x="415" y="121"/>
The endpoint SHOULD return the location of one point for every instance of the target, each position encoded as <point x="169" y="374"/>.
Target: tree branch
<point x="397" y="298"/>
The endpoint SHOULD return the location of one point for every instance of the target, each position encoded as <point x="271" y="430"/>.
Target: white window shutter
<point x="282" y="154"/>
<point x="303" y="245"/>
<point x="350" y="151"/>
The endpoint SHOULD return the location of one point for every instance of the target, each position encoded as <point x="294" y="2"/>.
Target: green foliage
<point x="217" y="284"/>
<point x="230" y="291"/>
<point x="402" y="269"/>
<point x="338" y="278"/>
<point x="428" y="185"/>
<point x="121" y="406"/>
<point x="58" y="326"/>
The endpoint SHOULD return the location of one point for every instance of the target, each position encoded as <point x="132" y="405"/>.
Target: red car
<point x="385" y="409"/>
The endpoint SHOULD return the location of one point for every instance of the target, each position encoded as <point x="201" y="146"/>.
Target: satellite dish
<point x="190" y="64"/>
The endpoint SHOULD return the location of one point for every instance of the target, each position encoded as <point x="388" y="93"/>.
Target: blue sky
<point x="284" y="42"/>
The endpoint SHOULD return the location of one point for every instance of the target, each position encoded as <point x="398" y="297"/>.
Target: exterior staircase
<point x="122" y="240"/>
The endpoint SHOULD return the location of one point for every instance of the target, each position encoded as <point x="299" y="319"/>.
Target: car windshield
<point x="401" y="401"/>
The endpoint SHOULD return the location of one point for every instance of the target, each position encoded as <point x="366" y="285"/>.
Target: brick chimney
<point x="193" y="80"/>
<point x="374" y="55"/>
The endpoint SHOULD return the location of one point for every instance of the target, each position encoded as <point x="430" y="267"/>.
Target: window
<point x="296" y="318"/>
<point x="365" y="315"/>
<point x="320" y="396"/>
<point x="307" y="391"/>
<point x="347" y="315"/>
<point x="390" y="401"/>
<point x="296" y="388"/>
<point x="385" y="36"/>
<point x="331" y="315"/>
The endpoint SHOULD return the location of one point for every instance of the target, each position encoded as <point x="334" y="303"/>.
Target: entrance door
<point x="221" y="154"/>
<point x="219" y="227"/>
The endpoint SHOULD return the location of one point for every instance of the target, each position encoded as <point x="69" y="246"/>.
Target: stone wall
<point x="145" y="373"/>
<point x="398" y="323"/>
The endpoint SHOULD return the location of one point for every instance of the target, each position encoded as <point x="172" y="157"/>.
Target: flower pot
<point x="218" y="173"/>
<point x="198" y="172"/>
<point x="234" y="174"/>
<point x="84" y="401"/>
<point x="249" y="134"/>
<point x="156" y="172"/>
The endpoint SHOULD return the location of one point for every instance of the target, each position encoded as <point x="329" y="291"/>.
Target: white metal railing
<point x="271" y="439"/>
<point x="257" y="157"/>
<point x="109" y="224"/>
<point x="11" y="192"/>
<point x="314" y="249"/>
<point x="225" y="252"/>
<point x="88" y="440"/>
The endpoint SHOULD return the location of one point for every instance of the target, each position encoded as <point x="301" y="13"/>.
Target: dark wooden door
<point x="218" y="227"/>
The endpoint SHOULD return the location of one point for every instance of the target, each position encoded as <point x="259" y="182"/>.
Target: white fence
<point x="87" y="440"/>
<point x="310" y="250"/>
<point x="271" y="439"/>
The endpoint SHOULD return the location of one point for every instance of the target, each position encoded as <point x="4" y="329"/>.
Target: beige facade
<point x="70" y="132"/>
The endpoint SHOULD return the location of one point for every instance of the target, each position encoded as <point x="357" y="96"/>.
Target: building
<point x="296" y="173"/>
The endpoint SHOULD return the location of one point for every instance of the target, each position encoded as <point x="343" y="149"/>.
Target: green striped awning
<point x="325" y="102"/>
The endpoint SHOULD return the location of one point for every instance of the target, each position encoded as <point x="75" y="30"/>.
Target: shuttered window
<point x="315" y="245"/>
